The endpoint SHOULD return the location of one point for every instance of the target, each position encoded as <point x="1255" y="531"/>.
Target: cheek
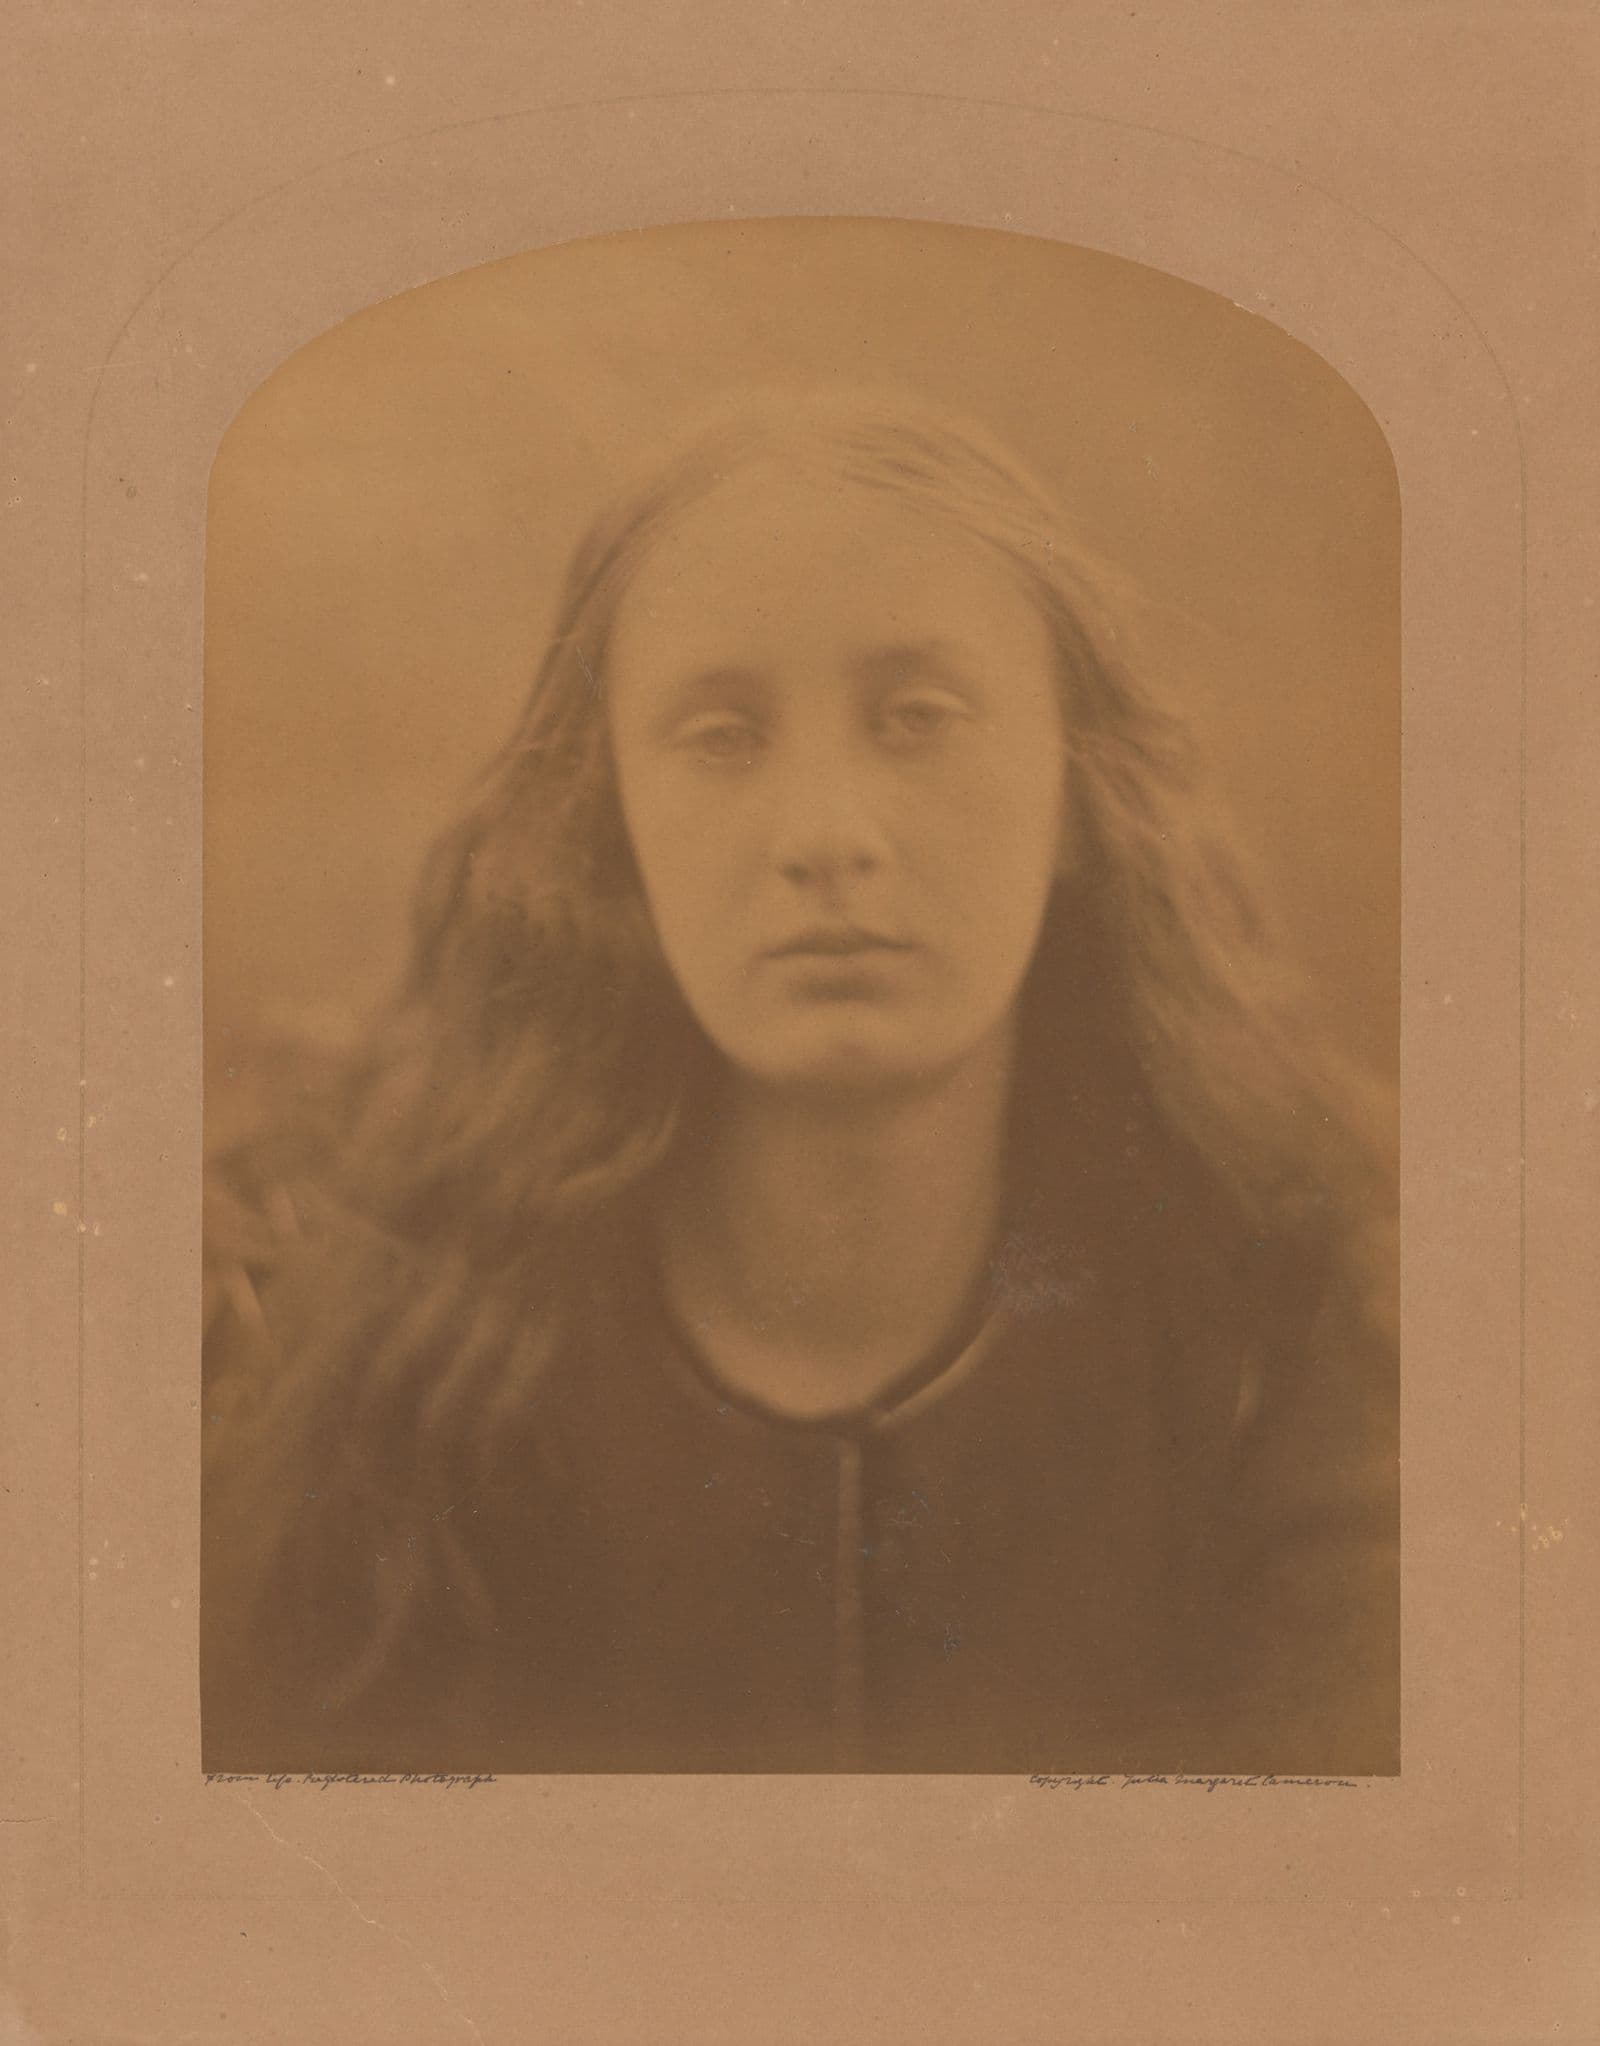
<point x="687" y="858"/>
<point x="991" y="868"/>
<point x="998" y="833"/>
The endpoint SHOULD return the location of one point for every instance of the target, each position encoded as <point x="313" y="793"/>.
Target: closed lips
<point x="835" y="945"/>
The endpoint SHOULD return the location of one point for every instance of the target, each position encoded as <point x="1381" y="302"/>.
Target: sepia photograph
<point x="801" y="1054"/>
<point x="802" y="1025"/>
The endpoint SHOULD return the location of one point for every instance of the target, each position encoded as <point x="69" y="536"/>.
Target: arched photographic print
<point x="801" y="1025"/>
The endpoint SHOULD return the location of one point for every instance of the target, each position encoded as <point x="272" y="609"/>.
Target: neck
<point x="833" y="1243"/>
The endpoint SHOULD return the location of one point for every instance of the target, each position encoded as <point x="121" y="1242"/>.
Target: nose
<point x="825" y="828"/>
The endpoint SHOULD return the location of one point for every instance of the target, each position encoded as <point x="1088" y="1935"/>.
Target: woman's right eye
<point x="720" y="739"/>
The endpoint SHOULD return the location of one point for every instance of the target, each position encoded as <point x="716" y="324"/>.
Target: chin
<point x="855" y="1064"/>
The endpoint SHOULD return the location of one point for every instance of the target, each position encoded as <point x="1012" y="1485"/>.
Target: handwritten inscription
<point x="1193" y="1782"/>
<point x="353" y="1778"/>
<point x="443" y="1781"/>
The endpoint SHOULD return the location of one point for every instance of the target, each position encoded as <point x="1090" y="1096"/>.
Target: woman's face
<point x="840" y="754"/>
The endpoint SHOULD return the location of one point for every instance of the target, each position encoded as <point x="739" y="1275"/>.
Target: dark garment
<point x="1097" y="1539"/>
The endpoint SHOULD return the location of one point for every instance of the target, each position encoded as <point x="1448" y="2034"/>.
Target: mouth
<point x="836" y="942"/>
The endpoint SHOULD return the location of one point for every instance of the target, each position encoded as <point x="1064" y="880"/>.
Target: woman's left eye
<point x="910" y="718"/>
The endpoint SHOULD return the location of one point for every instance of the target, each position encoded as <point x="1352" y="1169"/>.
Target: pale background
<point x="390" y="514"/>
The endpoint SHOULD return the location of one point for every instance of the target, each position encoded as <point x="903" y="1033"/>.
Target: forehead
<point x="774" y="559"/>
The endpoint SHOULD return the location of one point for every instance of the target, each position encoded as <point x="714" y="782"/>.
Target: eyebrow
<point x="681" y="695"/>
<point x="710" y="685"/>
<point x="941" y="657"/>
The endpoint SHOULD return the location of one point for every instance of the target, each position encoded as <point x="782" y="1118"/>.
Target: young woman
<point x="840" y="1253"/>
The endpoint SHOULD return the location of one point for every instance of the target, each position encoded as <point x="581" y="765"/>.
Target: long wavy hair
<point x="395" y="1260"/>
